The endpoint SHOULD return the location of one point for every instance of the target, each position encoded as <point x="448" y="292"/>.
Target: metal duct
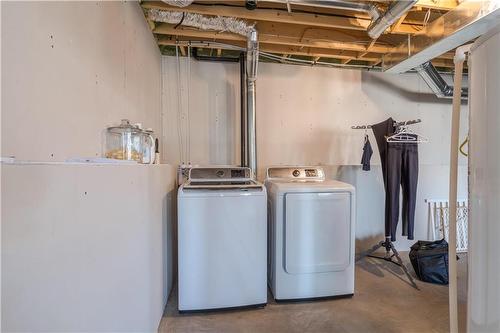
<point x="251" y="71"/>
<point x="370" y="9"/>
<point x="436" y="82"/>
<point x="243" y="110"/>
<point x="217" y="23"/>
<point x="178" y="3"/>
<point x="470" y="19"/>
<point x="393" y="13"/>
<point x="251" y="127"/>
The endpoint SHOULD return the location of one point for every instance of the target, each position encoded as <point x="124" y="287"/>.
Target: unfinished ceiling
<point x="303" y="31"/>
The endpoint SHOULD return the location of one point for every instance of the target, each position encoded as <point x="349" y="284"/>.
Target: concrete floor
<point x="383" y="302"/>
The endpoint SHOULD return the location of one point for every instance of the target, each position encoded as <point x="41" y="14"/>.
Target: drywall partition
<point x="214" y="109"/>
<point x="86" y="248"/>
<point x="70" y="69"/>
<point x="484" y="227"/>
<point x="304" y="117"/>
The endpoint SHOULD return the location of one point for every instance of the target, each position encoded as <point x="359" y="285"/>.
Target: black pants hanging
<point x="400" y="168"/>
<point x="402" y="172"/>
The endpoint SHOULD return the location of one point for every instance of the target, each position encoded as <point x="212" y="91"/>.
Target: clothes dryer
<point x="311" y="224"/>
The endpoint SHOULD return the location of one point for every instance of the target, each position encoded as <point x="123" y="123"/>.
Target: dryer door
<point x="317" y="232"/>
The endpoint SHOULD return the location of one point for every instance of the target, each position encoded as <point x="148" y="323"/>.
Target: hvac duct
<point x="371" y="10"/>
<point x="178" y="3"/>
<point x="251" y="132"/>
<point x="393" y="13"/>
<point x="436" y="82"/>
<point x="217" y="23"/>
<point x="243" y="110"/>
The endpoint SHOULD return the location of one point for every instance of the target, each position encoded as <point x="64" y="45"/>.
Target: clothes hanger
<point x="405" y="135"/>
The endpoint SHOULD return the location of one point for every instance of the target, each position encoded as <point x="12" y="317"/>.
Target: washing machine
<point x="222" y="240"/>
<point x="311" y="234"/>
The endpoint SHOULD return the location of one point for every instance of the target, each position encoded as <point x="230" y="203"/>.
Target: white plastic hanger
<point x="405" y="135"/>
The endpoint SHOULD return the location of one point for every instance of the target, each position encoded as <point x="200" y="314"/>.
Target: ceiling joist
<point x="279" y="16"/>
<point x="311" y="32"/>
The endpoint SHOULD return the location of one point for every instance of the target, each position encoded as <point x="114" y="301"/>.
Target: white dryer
<point x="222" y="239"/>
<point x="311" y="234"/>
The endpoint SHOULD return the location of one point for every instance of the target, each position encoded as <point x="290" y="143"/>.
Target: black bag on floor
<point x="430" y="261"/>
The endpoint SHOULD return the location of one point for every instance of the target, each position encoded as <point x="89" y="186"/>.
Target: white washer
<point x="222" y="240"/>
<point x="311" y="234"/>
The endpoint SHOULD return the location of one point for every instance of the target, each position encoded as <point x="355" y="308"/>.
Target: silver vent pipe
<point x="243" y="110"/>
<point x="251" y="71"/>
<point x="357" y="6"/>
<point x="393" y="13"/>
<point x="436" y="82"/>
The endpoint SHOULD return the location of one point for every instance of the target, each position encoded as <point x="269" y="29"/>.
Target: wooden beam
<point x="281" y="16"/>
<point x="151" y="24"/>
<point x="315" y="54"/>
<point x="437" y="4"/>
<point x="283" y="49"/>
<point x="398" y="23"/>
<point x="219" y="52"/>
<point x="270" y="15"/>
<point x="310" y="38"/>
<point x="183" y="50"/>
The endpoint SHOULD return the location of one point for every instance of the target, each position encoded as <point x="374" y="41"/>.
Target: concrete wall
<point x="69" y="69"/>
<point x="304" y="116"/>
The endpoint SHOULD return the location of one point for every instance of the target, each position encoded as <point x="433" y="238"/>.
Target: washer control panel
<point x="219" y="173"/>
<point x="301" y="173"/>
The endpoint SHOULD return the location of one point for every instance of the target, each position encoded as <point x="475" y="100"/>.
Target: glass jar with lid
<point x="124" y="142"/>
<point x="148" y="145"/>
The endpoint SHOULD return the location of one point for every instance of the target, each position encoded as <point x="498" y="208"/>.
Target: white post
<point x="452" y="231"/>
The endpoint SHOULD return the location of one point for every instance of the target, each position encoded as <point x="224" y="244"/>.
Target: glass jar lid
<point x="124" y="127"/>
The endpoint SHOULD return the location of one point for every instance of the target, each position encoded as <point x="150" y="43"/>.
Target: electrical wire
<point x="461" y="148"/>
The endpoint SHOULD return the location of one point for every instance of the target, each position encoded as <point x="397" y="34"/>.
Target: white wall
<point x="304" y="115"/>
<point x="69" y="69"/>
<point x="86" y="248"/>
<point x="213" y="107"/>
<point x="484" y="228"/>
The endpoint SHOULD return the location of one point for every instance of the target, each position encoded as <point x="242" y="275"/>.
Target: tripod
<point x="387" y="244"/>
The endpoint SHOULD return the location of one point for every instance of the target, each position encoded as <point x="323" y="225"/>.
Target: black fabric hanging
<point x="380" y="131"/>
<point x="400" y="168"/>
<point x="367" y="154"/>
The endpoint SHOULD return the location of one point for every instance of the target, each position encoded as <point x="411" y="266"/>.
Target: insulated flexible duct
<point x="178" y="3"/>
<point x="217" y="23"/>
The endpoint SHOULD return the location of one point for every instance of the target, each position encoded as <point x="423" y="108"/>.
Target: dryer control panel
<point x="300" y="173"/>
